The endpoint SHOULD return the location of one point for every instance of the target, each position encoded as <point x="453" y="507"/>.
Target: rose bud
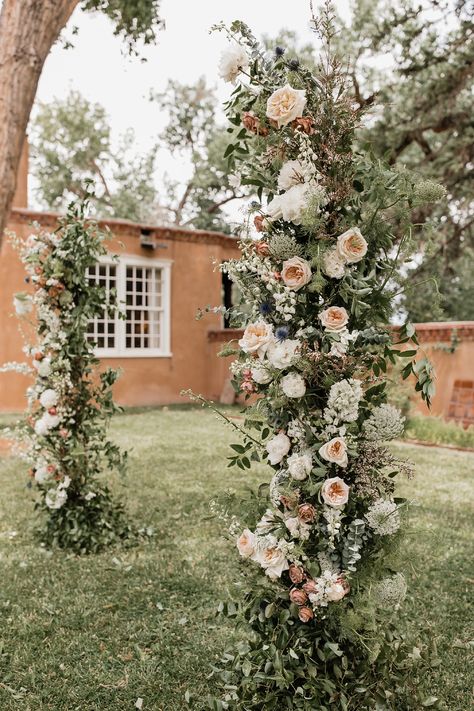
<point x="64" y="433"/>
<point x="258" y="222"/>
<point x="296" y="574"/>
<point x="306" y="513"/>
<point x="310" y="587"/>
<point x="298" y="596"/>
<point x="305" y="614"/>
<point x="38" y="356"/>
<point x="247" y="386"/>
<point x="287" y="501"/>
<point x="262" y="248"/>
<point x="38" y="270"/>
<point x="53" y="411"/>
<point x="51" y="468"/>
<point x="277" y="275"/>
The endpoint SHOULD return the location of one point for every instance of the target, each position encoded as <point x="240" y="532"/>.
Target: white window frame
<point x="120" y="351"/>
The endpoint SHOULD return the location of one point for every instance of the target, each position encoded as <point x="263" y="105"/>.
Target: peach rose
<point x="259" y="221"/>
<point x="310" y="587"/>
<point x="256" y="338"/>
<point x="306" y="513"/>
<point x="305" y="614"/>
<point x="335" y="492"/>
<point x="335" y="451"/>
<point x="334" y="319"/>
<point x="285" y="105"/>
<point x="298" y="596"/>
<point x="295" y="273"/>
<point x="351" y="246"/>
<point x="246" y="543"/>
<point x="296" y="574"/>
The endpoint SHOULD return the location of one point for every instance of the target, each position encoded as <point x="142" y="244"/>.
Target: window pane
<point x="105" y="276"/>
<point x="143" y="317"/>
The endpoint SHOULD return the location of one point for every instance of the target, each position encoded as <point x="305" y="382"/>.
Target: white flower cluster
<point x="385" y="423"/>
<point x="329" y="587"/>
<point x="343" y="402"/>
<point x="271" y="553"/>
<point x="389" y="593"/>
<point x="383" y="517"/>
<point x="332" y="517"/>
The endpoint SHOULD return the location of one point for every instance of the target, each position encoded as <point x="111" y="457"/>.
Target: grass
<point x="98" y="633"/>
<point x="438" y="431"/>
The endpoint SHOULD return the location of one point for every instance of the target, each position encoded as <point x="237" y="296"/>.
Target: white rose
<point x="261" y="375"/>
<point x="232" y="61"/>
<point x="293" y="202"/>
<point x="333" y="265"/>
<point x="286" y="104"/>
<point x="46" y="423"/>
<point x="246" y="543"/>
<point x="49" y="398"/>
<point x="43" y="475"/>
<point x="282" y="354"/>
<point x="256" y="338"/>
<point x="272" y="559"/>
<point x="300" y="465"/>
<point x="291" y="173"/>
<point x="351" y="246"/>
<point x="293" y="385"/>
<point x="55" y="498"/>
<point x="22" y="304"/>
<point x="43" y="367"/>
<point x="277" y="448"/>
<point x="298" y="528"/>
<point x="335" y="451"/>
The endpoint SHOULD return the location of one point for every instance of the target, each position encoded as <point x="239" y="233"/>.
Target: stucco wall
<point x="194" y="283"/>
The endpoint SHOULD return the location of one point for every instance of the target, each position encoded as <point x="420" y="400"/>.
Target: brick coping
<point x="179" y="234"/>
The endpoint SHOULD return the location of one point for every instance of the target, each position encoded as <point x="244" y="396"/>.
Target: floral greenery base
<point x="63" y="438"/>
<point x="84" y="525"/>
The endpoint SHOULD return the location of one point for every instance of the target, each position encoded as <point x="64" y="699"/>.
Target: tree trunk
<point x="28" y="30"/>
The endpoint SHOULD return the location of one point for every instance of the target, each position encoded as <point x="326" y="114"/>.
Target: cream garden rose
<point x="257" y="337"/>
<point x="233" y="60"/>
<point x="333" y="265"/>
<point x="335" y="451"/>
<point x="278" y="447"/>
<point x="296" y="273"/>
<point x="272" y="558"/>
<point x="300" y="465"/>
<point x="261" y="375"/>
<point x="335" y="492"/>
<point x="351" y="246"/>
<point x="293" y="385"/>
<point x="286" y="104"/>
<point x="291" y="173"/>
<point x="289" y="205"/>
<point x="282" y="354"/>
<point x="246" y="543"/>
<point x="334" y="318"/>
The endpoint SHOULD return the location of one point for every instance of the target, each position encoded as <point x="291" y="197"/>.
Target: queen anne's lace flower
<point x="383" y="517"/>
<point x="389" y="593"/>
<point x="385" y="423"/>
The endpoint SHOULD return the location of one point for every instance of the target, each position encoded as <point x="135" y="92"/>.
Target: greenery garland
<point x="319" y="547"/>
<point x="64" y="436"/>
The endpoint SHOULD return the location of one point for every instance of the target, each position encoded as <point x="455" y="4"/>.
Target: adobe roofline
<point x="181" y="234"/>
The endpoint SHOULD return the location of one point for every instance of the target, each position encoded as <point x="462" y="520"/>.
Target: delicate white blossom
<point x="383" y="517"/>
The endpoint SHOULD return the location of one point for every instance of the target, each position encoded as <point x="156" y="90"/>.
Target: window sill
<point x="142" y="354"/>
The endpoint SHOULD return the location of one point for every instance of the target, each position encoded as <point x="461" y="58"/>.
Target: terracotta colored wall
<point x="194" y="283"/>
<point x="452" y="400"/>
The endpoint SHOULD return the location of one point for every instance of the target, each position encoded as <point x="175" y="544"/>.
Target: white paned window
<point x="143" y="291"/>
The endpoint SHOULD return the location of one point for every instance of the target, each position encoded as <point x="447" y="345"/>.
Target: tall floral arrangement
<point x="319" y="547"/>
<point x="64" y="436"/>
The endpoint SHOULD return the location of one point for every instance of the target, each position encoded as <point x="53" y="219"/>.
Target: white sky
<point x="98" y="68"/>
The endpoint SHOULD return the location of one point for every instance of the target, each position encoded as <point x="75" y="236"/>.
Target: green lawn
<point x="98" y="633"/>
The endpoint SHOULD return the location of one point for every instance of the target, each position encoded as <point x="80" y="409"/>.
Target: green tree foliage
<point x="134" y="20"/>
<point x="71" y="144"/>
<point x="413" y="67"/>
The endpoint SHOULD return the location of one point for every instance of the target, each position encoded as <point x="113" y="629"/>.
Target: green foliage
<point x="71" y="144"/>
<point x="134" y="20"/>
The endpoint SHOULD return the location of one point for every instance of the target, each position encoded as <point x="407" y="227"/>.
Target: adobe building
<point x="163" y="275"/>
